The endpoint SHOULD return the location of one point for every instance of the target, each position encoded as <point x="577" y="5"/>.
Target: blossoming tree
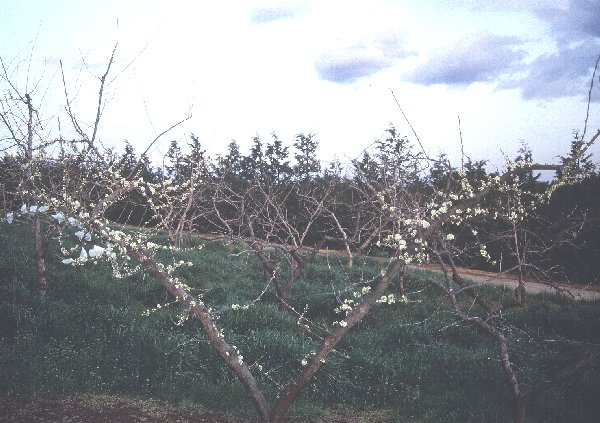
<point x="415" y="224"/>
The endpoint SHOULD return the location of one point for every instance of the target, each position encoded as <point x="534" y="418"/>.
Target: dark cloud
<point x="580" y="19"/>
<point x="482" y="58"/>
<point x="564" y="73"/>
<point x="485" y="57"/>
<point x="348" y="64"/>
<point x="271" y="14"/>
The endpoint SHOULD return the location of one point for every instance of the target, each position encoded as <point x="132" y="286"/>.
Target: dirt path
<point x="589" y="293"/>
<point x="488" y="278"/>
<point x="123" y="409"/>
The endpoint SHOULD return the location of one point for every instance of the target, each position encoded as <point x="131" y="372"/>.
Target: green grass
<point x="409" y="361"/>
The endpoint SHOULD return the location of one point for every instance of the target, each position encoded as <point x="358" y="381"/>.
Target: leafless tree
<point x="274" y="220"/>
<point x="493" y="323"/>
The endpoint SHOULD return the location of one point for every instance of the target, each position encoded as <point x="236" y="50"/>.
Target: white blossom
<point x="96" y="251"/>
<point x="81" y="234"/>
<point x="344" y="307"/>
<point x="9" y="217"/>
<point x="59" y="217"/>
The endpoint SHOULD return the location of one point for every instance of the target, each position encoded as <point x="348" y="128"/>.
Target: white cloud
<point x="275" y="12"/>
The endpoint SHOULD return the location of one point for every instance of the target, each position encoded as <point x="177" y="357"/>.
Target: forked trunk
<point x="290" y="392"/>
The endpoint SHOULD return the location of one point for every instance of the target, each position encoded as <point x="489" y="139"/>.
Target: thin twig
<point x="100" y="94"/>
<point x="587" y="112"/>
<point x="409" y="124"/>
<point x="462" y="147"/>
<point x="69" y="110"/>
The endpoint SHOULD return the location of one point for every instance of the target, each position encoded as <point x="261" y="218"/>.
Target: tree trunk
<point x="40" y="262"/>
<point x="196" y="308"/>
<point x="520" y="292"/>
<point x="281" y="296"/>
<point x="401" y="290"/>
<point x="520" y="409"/>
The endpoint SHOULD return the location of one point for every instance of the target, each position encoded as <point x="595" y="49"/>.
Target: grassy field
<point x="405" y="362"/>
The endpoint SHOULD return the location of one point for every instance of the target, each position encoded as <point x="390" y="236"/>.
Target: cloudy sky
<point x="511" y="70"/>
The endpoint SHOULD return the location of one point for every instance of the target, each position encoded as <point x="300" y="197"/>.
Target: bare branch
<point x="100" y="94"/>
<point x="409" y="124"/>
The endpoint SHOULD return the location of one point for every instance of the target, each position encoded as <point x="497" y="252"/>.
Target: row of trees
<point x="393" y="200"/>
<point x="336" y="204"/>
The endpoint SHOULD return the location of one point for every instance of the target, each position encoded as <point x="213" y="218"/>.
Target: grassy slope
<point x="409" y="359"/>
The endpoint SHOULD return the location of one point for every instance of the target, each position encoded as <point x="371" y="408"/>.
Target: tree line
<point x="275" y="187"/>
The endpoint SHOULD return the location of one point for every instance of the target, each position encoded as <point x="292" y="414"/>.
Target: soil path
<point x="487" y="278"/>
<point x="123" y="409"/>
